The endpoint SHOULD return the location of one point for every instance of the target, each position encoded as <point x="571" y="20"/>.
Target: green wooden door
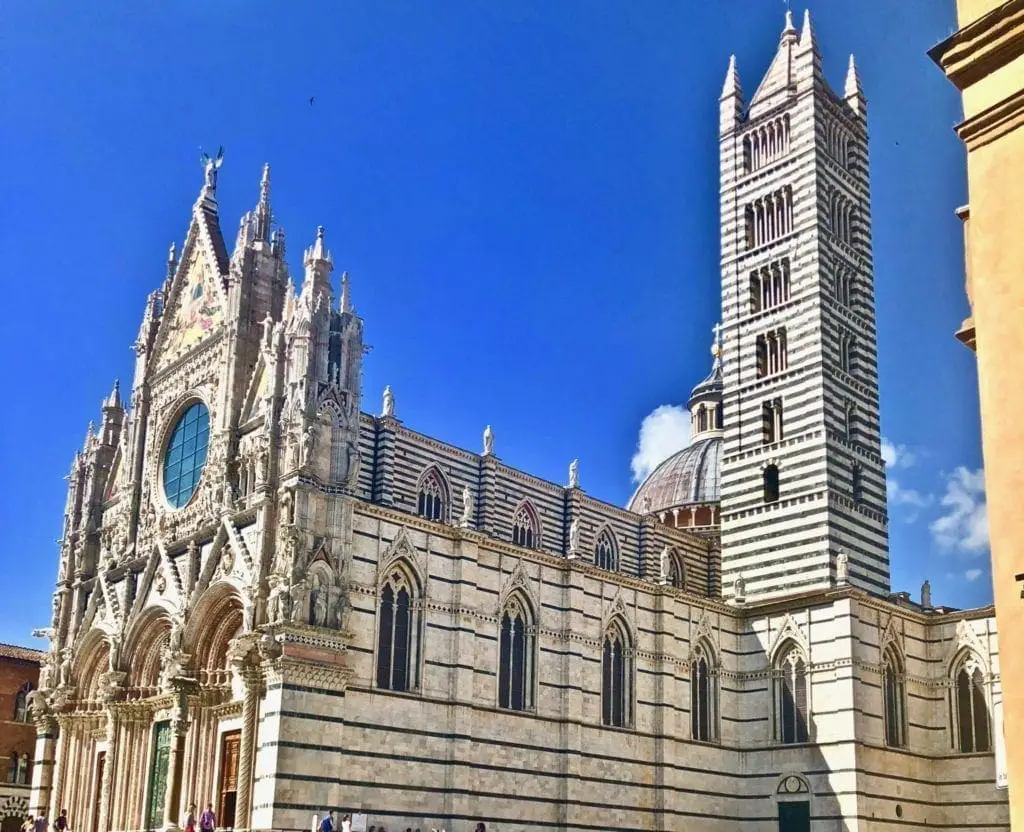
<point x="158" y="775"/>
<point x="795" y="817"/>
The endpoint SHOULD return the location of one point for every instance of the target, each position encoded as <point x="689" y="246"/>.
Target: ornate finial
<point x="732" y="79"/>
<point x="852" y="86"/>
<point x="265" y="184"/>
<point x="262" y="216"/>
<point x="806" y="33"/>
<point x="789" y="30"/>
<point x="716" y="347"/>
<point x="114" y="399"/>
<point x="318" y="252"/>
<point x="90" y="435"/>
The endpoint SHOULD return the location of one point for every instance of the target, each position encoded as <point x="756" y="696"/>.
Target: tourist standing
<point x="207" y="820"/>
<point x="190" y="818"/>
<point x="40" y="824"/>
<point x="346" y="824"/>
<point x="327" y="824"/>
<point x="61" y="824"/>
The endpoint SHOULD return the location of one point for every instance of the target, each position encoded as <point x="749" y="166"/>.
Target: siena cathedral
<point x="274" y="601"/>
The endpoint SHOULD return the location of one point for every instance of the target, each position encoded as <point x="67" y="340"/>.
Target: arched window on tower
<point x="606" y="552"/>
<point x="398" y="637"/>
<point x="702" y="418"/>
<point x="24" y="770"/>
<point x="525" y="528"/>
<point x="972" y="728"/>
<point x="719" y="416"/>
<point x="703" y="695"/>
<point x="770" y="481"/>
<point x="791" y="709"/>
<point x="894" y="699"/>
<point x="21" y="703"/>
<point x="857" y="482"/>
<point x="517" y="640"/>
<point x="617" y="676"/>
<point x="676" y="570"/>
<point x="12" y="769"/>
<point x="432" y="500"/>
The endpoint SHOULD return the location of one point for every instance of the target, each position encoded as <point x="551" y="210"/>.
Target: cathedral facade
<point x="273" y="601"/>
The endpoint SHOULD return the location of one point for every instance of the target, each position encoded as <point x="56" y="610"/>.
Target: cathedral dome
<point x="688" y="477"/>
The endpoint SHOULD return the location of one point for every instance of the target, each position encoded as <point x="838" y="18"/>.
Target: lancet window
<point x="841" y="216"/>
<point x="771" y="421"/>
<point x="769" y="217"/>
<point x="398" y="638"/>
<point x="791" y="709"/>
<point x="766" y="143"/>
<point x="970" y="705"/>
<point x="857" y="483"/>
<point x="606" y="553"/>
<point x="21" y="703"/>
<point x="894" y="699"/>
<point x="843" y="285"/>
<point x="770" y="483"/>
<point x="703" y="695"/>
<point x="676" y="571"/>
<point x="847" y="345"/>
<point x="432" y="501"/>
<point x="525" y="528"/>
<point x="517" y="647"/>
<point x="771" y="352"/>
<point x="769" y="286"/>
<point x="617" y="677"/>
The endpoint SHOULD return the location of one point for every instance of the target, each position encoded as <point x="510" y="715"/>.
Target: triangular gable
<point x="776" y="83"/>
<point x="194" y="307"/>
<point x="113" y="476"/>
<point x="256" y="392"/>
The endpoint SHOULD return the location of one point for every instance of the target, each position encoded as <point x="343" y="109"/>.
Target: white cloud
<point x="912" y="499"/>
<point x="972" y="574"/>
<point x="663" y="431"/>
<point x="964" y="526"/>
<point x="897" y="456"/>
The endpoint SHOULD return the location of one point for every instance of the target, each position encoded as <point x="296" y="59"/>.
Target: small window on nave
<point x="703" y="696"/>
<point x="606" y="553"/>
<point x="617" y="677"/>
<point x="894" y="700"/>
<point x="973" y="728"/>
<point x="517" y="641"/>
<point x="432" y="500"/>
<point x="525" y="528"/>
<point x="21" y="703"/>
<point x="398" y="636"/>
<point x="791" y="711"/>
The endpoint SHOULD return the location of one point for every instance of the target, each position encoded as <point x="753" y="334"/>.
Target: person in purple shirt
<point x="207" y="820"/>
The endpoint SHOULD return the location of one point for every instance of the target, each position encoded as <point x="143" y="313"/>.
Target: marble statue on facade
<point x="388" y="410"/>
<point x="842" y="568"/>
<point x="574" y="474"/>
<point x="488" y="441"/>
<point x="467" y="507"/>
<point x="664" y="557"/>
<point x="926" y="595"/>
<point x="574" y="538"/>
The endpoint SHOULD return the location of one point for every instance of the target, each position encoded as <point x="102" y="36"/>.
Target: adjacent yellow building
<point x="985" y="60"/>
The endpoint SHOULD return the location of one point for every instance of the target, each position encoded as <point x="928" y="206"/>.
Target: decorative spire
<point x="114" y="399"/>
<point x="807" y="33"/>
<point x="716" y="346"/>
<point x="317" y="253"/>
<point x="172" y="261"/>
<point x="346" y="301"/>
<point x="263" y="216"/>
<point x="852" y="91"/>
<point x="731" y="87"/>
<point x="90" y="436"/>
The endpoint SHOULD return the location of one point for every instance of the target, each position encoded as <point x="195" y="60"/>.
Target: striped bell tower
<point x="803" y="482"/>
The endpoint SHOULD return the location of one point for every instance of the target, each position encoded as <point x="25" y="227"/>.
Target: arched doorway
<point x="793" y="797"/>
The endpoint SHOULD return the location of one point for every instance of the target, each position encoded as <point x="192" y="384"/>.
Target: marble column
<point x="246" y="751"/>
<point x="43" y="766"/>
<point x="176" y="755"/>
<point x="60" y="763"/>
<point x="109" y="764"/>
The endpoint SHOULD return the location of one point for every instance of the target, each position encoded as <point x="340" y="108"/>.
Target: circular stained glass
<point x="186" y="455"/>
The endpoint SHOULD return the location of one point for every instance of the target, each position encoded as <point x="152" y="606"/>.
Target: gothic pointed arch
<point x="969" y="705"/>
<point x="433" y="495"/>
<point x="791" y="693"/>
<point x="617" y="673"/>
<point x="145" y="639"/>
<point x="401" y="549"/>
<point x="92" y="662"/>
<point x="676" y="569"/>
<point x="399" y="627"/>
<point x="519" y="582"/>
<point x="606" y="549"/>
<point x="703" y="692"/>
<point x="255" y="390"/>
<point x="894" y="696"/>
<point x="215" y="622"/>
<point x="526" y="530"/>
<point x="517" y="648"/>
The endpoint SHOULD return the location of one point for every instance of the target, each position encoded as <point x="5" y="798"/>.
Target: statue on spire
<point x="210" y="167"/>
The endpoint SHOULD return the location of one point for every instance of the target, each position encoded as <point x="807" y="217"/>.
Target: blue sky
<point x="525" y="195"/>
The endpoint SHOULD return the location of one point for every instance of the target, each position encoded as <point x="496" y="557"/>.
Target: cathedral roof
<point x="688" y="477"/>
